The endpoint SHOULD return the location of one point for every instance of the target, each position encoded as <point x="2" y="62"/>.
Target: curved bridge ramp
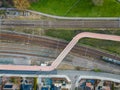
<point x="62" y="55"/>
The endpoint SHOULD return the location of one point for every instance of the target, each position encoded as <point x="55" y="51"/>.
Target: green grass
<point x="97" y="70"/>
<point x="66" y="34"/>
<point x="84" y="8"/>
<point x="110" y="46"/>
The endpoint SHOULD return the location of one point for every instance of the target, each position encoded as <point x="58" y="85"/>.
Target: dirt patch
<point x="65" y="67"/>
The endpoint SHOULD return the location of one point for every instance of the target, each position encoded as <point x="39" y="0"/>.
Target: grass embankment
<point x="77" y="8"/>
<point x="110" y="46"/>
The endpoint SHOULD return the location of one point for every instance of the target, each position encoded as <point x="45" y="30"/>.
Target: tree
<point x="98" y="2"/>
<point x="6" y="3"/>
<point x="21" y="4"/>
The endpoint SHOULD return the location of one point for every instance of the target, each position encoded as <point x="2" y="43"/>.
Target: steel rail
<point x="62" y="23"/>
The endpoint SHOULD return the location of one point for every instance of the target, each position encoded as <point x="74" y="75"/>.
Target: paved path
<point x="63" y="54"/>
<point x="73" y="18"/>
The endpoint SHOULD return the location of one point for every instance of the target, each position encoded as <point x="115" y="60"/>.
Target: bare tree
<point x="21" y="4"/>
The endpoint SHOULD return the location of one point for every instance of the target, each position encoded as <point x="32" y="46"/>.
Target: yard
<point x="77" y="8"/>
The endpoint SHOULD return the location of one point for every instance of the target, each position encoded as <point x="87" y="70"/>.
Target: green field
<point x="77" y="8"/>
<point x="110" y="46"/>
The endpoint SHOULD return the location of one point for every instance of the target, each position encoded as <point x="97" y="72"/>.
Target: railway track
<point x="51" y="43"/>
<point x="83" y="23"/>
<point x="61" y="56"/>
